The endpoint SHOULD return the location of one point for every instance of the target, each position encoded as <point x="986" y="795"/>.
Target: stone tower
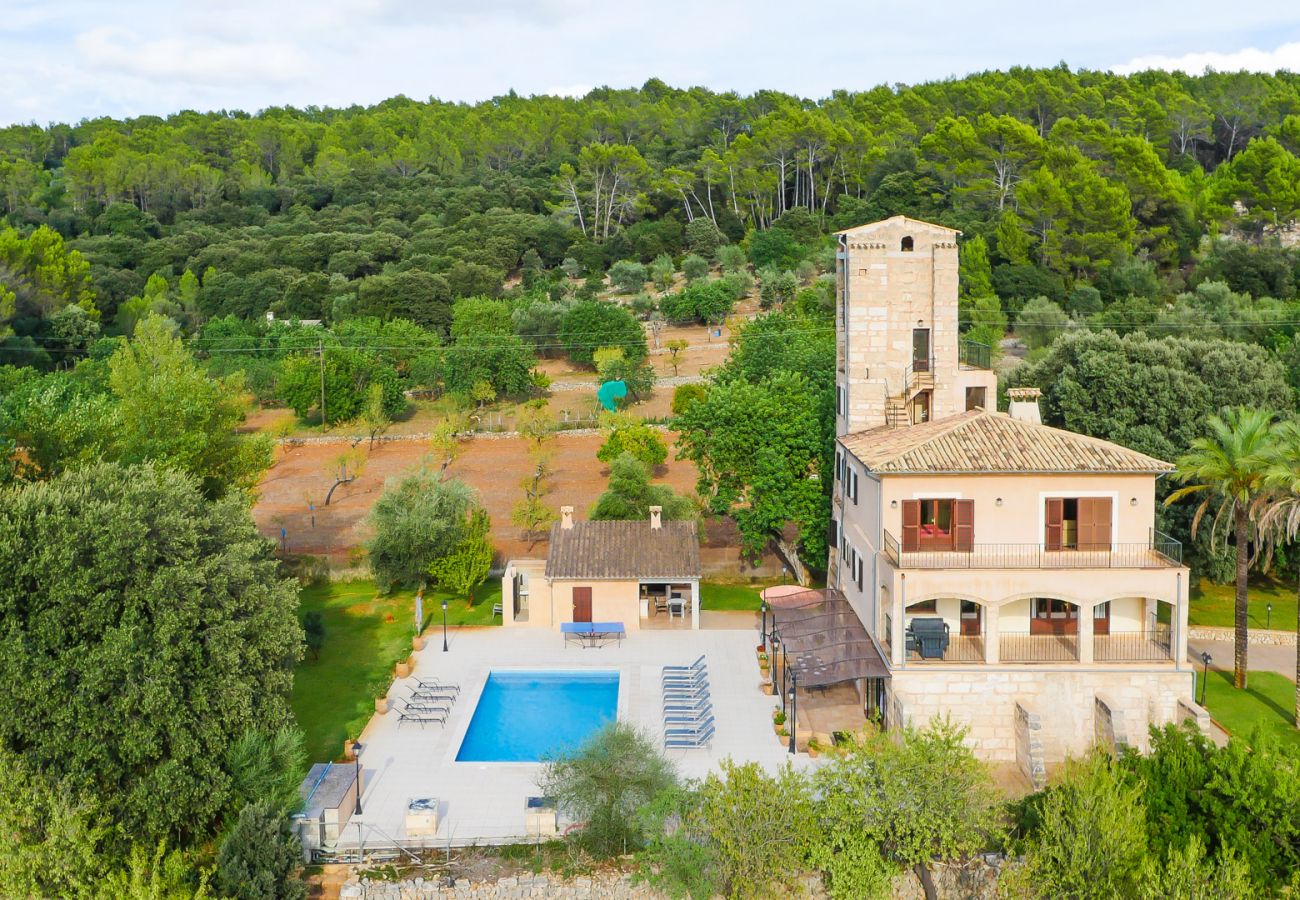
<point x="899" y="357"/>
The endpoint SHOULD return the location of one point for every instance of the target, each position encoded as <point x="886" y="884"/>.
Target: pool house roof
<point x="615" y="551"/>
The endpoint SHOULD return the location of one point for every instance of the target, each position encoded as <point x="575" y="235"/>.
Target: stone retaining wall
<point x="618" y="887"/>
<point x="1261" y="636"/>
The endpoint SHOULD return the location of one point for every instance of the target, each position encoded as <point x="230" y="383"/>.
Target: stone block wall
<point x="984" y="700"/>
<point x="1108" y="724"/>
<point x="1191" y="711"/>
<point x="1029" y="746"/>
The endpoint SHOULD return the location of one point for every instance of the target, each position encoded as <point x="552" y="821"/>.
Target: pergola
<point x="821" y="641"/>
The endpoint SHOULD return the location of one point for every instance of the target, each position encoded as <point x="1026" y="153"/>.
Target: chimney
<point x="566" y="517"/>
<point x="656" y="517"/>
<point x="1024" y="404"/>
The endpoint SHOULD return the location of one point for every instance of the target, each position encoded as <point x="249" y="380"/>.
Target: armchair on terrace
<point x="928" y="638"/>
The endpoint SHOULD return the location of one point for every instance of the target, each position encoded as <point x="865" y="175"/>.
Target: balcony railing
<point x="1132" y="646"/>
<point x="1016" y="647"/>
<point x="962" y="648"/>
<point x="974" y="355"/>
<point x="1160" y="551"/>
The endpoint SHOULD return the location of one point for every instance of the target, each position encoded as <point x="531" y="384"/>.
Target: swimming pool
<point x="524" y="716"/>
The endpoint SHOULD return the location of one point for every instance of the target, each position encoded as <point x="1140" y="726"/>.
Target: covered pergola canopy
<point x="823" y="641"/>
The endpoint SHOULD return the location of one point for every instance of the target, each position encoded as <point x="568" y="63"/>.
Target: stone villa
<point x="1009" y="574"/>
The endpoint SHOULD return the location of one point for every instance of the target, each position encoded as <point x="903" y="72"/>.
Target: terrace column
<point x="1086" y="632"/>
<point x="897" y="638"/>
<point x="991" y="627"/>
<point x="695" y="605"/>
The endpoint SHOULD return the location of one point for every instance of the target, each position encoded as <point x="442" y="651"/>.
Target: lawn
<point x="715" y="595"/>
<point x="365" y="636"/>
<point x="1212" y="604"/>
<point x="1269" y="702"/>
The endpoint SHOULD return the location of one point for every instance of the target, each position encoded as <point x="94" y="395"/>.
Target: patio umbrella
<point x="789" y="596"/>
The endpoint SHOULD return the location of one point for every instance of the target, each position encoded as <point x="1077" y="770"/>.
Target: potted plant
<point x="814" y="748"/>
<point x="347" y="749"/>
<point x="778" y="722"/>
<point x="381" y="705"/>
<point x="417" y="642"/>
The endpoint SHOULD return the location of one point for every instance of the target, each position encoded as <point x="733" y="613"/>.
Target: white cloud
<point x="569" y="90"/>
<point x="1250" y="59"/>
<point x="199" y="61"/>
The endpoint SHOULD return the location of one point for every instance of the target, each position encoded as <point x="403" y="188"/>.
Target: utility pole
<point x="324" y="420"/>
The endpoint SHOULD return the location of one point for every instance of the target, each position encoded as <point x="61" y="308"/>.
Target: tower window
<point x="907" y="244"/>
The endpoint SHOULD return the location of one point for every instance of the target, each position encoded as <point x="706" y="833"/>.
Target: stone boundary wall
<point x="1191" y="711"/>
<point x="1108" y="720"/>
<point x="1263" y="637"/>
<point x="1029" y="747"/>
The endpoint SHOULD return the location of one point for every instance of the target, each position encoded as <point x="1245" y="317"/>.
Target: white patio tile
<point x="484" y="802"/>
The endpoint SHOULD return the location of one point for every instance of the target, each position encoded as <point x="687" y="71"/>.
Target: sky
<point x="64" y="60"/>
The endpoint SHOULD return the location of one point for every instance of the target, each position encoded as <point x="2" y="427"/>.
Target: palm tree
<point x="1228" y="470"/>
<point x="1279" y="510"/>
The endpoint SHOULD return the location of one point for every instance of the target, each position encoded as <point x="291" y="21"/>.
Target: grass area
<point x="365" y="636"/>
<point x="1268" y="702"/>
<point x="716" y="595"/>
<point x="1212" y="604"/>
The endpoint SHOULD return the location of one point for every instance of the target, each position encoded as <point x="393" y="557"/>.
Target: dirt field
<point x="494" y="466"/>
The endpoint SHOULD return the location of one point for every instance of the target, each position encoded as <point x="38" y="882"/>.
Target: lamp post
<point x="1205" y="672"/>
<point x="763" y="631"/>
<point x="1268" y="621"/>
<point x="444" y="626"/>
<point x="785" y="574"/>
<point x="356" y="756"/>
<point x="794" y="710"/>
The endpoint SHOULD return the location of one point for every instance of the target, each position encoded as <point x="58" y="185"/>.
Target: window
<point x="839" y="400"/>
<point x="853" y="485"/>
<point x="938" y="524"/>
<point x="1077" y="523"/>
<point x="975" y="398"/>
<point x="928" y="607"/>
<point x="1051" y="608"/>
<point x="857" y="569"/>
<point x="907" y="244"/>
<point x="921" y="408"/>
<point x="839" y="465"/>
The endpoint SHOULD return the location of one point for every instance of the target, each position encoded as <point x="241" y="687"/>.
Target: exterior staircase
<point x="918" y="377"/>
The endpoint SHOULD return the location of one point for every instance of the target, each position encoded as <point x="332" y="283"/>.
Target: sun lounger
<point x="689" y="717"/>
<point x="696" y="728"/>
<point x="693" y="667"/>
<point x="689" y="742"/>
<point x="421" y="718"/>
<point x="431" y="694"/>
<point x="438" y="684"/>
<point x="702" y="678"/>
<point x="418" y="706"/>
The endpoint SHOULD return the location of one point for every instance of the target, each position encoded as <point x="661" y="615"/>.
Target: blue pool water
<point x="525" y="716"/>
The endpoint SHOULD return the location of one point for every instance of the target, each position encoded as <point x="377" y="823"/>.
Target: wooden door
<point x="1050" y="616"/>
<point x="1101" y="618"/>
<point x="920" y="349"/>
<point x="970" y="617"/>
<point x="582" y="604"/>
<point x="963" y="525"/>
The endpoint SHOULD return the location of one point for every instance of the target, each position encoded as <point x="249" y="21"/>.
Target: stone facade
<point x="985" y="699"/>
<point x="895" y="278"/>
<point x="1108" y="724"/>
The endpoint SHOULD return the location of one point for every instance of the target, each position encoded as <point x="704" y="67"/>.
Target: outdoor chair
<point x="680" y="705"/>
<point x="431" y="694"/>
<point x="929" y="638"/>
<point x="418" y="705"/>
<point x="677" y="684"/>
<point x="686" y="693"/>
<point x="692" y="677"/>
<point x="697" y="666"/>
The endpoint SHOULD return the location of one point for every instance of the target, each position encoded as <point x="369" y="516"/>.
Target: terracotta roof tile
<point x="614" y="550"/>
<point x="985" y="441"/>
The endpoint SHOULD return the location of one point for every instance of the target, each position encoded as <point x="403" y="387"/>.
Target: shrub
<point x="686" y="395"/>
<point x="590" y="324"/>
<point x="604" y="783"/>
<point x="704" y="238"/>
<point x="662" y="271"/>
<point x="776" y="287"/>
<point x="627" y="276"/>
<point x="630" y="436"/>
<point x="1040" y="322"/>
<point x="695" y="267"/>
<point x="260" y="857"/>
<point x="732" y="258"/>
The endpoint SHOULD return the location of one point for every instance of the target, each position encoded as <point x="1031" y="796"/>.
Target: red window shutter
<point x="963" y="525"/>
<point x="1055" y="516"/>
<point x="911" y="526"/>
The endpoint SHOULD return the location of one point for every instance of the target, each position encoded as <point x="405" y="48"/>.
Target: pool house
<point x="638" y="574"/>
